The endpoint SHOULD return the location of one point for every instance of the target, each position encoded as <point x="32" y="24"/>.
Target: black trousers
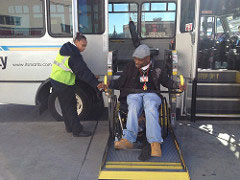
<point x="68" y="103"/>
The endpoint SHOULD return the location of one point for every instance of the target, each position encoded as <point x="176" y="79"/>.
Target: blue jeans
<point x="150" y="102"/>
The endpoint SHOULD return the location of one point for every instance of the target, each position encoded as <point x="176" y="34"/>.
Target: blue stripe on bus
<point x="8" y="48"/>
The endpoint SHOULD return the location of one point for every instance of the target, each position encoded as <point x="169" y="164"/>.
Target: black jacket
<point x="128" y="79"/>
<point x="77" y="64"/>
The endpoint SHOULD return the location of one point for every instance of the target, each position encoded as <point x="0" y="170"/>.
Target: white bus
<point x="31" y="33"/>
<point x="204" y="33"/>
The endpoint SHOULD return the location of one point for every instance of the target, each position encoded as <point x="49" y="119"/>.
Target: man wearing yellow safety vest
<point x="68" y="64"/>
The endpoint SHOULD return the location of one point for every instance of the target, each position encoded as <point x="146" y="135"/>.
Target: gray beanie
<point x="141" y="51"/>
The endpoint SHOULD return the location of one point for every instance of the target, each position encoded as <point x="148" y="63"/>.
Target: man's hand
<point x="102" y="86"/>
<point x="182" y="87"/>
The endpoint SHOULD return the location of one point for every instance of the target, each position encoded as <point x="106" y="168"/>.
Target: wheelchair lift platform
<point x="124" y="164"/>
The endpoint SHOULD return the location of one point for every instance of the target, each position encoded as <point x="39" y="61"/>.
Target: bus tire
<point x="83" y="105"/>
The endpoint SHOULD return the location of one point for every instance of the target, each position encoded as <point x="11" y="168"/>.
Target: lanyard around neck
<point x="143" y="73"/>
<point x="145" y="78"/>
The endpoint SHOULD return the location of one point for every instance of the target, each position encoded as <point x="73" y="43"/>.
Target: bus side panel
<point x="96" y="53"/>
<point x="186" y="67"/>
<point x="18" y="93"/>
<point x="185" y="54"/>
<point x="27" y="63"/>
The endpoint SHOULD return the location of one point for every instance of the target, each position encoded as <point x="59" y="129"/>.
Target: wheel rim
<point x="58" y="107"/>
<point x="79" y="105"/>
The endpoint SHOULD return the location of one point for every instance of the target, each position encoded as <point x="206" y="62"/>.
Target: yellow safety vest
<point x="61" y="72"/>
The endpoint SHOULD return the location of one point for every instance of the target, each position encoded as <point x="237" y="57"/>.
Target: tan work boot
<point x="156" y="149"/>
<point x="123" y="144"/>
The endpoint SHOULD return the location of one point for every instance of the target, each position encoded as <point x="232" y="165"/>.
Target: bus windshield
<point x="234" y="24"/>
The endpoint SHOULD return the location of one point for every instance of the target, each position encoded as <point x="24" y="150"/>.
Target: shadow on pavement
<point x="26" y="113"/>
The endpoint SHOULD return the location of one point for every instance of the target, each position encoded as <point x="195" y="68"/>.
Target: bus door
<point x="154" y="22"/>
<point x="186" y="46"/>
<point x="90" y="18"/>
<point x="218" y="85"/>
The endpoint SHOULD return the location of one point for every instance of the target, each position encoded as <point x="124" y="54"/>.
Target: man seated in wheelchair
<point x="142" y="74"/>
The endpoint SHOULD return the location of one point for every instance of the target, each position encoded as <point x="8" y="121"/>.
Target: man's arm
<point x="121" y="81"/>
<point x="167" y="82"/>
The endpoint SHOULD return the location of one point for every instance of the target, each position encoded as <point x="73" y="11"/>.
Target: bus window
<point x="187" y="14"/>
<point x="91" y="16"/>
<point x="22" y="19"/>
<point x="219" y="28"/>
<point x="207" y="27"/>
<point x="60" y="15"/>
<point x="234" y="24"/>
<point x="158" y="20"/>
<point x="119" y="16"/>
<point x="109" y="7"/>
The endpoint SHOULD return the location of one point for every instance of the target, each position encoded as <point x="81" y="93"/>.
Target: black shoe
<point x="145" y="153"/>
<point x="82" y="133"/>
<point x="69" y="130"/>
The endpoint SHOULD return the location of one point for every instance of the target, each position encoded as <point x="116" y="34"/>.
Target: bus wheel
<point x="83" y="105"/>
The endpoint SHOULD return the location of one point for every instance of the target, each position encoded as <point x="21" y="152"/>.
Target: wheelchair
<point x="117" y="112"/>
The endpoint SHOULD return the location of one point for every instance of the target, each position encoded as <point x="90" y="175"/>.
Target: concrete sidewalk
<point x="43" y="151"/>
<point x="211" y="149"/>
<point x="34" y="147"/>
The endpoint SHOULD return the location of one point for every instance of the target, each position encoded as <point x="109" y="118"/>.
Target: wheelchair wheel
<point x="167" y="115"/>
<point x="112" y="115"/>
<point x="118" y="130"/>
<point x="164" y="117"/>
